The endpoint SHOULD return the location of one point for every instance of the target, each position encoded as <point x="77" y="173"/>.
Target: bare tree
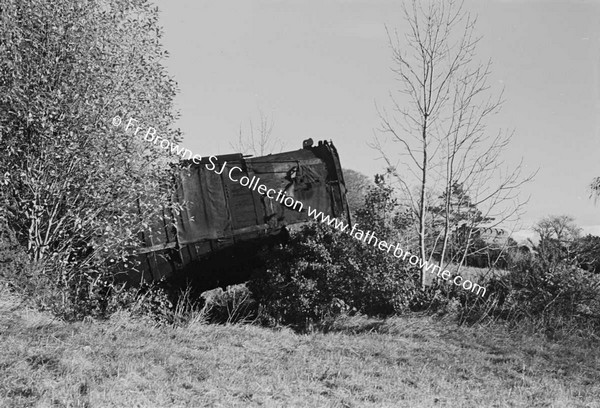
<point x="438" y="122"/>
<point x="558" y="239"/>
<point x="559" y="227"/>
<point x="258" y="140"/>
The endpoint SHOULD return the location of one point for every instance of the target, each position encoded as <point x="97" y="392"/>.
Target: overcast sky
<point x="320" y="67"/>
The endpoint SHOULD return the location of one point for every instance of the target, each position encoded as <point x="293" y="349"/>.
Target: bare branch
<point x="258" y="140"/>
<point x="439" y="122"/>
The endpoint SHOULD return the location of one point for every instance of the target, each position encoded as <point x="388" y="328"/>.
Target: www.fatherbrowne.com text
<point x="398" y="252"/>
<point x="290" y="202"/>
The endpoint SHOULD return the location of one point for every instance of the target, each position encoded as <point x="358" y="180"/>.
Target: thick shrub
<point x="322" y="271"/>
<point x="76" y="188"/>
<point x="92" y="294"/>
<point x="587" y="251"/>
<point x="563" y="297"/>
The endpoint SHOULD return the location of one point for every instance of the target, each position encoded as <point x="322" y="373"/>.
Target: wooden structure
<point x="224" y="223"/>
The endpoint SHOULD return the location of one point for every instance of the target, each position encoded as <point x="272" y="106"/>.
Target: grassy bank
<point x="403" y="362"/>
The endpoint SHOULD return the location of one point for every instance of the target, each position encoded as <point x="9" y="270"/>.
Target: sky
<point x="321" y="68"/>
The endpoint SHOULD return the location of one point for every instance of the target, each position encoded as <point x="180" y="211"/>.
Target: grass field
<point x="411" y="361"/>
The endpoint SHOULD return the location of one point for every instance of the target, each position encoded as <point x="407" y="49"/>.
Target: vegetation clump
<point x="322" y="272"/>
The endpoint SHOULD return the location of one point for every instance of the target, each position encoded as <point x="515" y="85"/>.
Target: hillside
<point x="411" y="361"/>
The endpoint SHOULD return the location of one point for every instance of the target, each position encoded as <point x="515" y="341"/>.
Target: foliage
<point x="464" y="221"/>
<point x="558" y="236"/>
<point x="548" y="292"/>
<point x="462" y="209"/>
<point x="564" y="297"/>
<point x="587" y="252"/>
<point x="78" y="190"/>
<point x="357" y="185"/>
<point x="13" y="259"/>
<point x="518" y="257"/>
<point x="381" y="211"/>
<point x="322" y="271"/>
<point x="545" y="289"/>
<point x="560" y="241"/>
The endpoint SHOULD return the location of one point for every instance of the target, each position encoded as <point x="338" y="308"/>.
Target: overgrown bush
<point x="88" y="294"/>
<point x="519" y="259"/>
<point x="565" y="297"/>
<point x="322" y="271"/>
<point x="587" y="250"/>
<point x="77" y="189"/>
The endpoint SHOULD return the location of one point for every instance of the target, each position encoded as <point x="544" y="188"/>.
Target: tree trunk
<point x="422" y="202"/>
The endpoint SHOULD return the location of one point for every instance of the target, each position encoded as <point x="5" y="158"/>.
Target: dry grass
<point x="403" y="362"/>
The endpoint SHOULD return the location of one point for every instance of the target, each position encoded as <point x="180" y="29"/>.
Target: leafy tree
<point x="382" y="212"/>
<point x="76" y="189"/>
<point x="357" y="185"/>
<point x="462" y="208"/>
<point x="464" y="218"/>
